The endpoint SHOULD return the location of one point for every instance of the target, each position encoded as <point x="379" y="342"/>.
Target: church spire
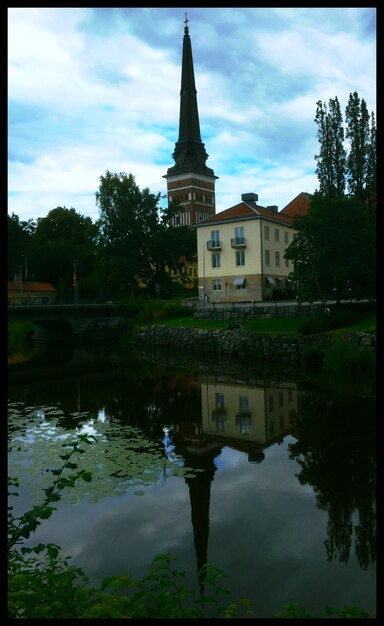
<point x="189" y="153"/>
<point x="189" y="127"/>
<point x="190" y="182"/>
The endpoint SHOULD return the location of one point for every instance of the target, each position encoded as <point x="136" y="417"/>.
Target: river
<point x="268" y="475"/>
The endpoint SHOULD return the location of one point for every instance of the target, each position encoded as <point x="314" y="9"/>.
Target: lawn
<point x="282" y="325"/>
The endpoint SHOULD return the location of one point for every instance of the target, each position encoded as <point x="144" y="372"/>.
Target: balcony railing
<point x="238" y="242"/>
<point x="213" y="244"/>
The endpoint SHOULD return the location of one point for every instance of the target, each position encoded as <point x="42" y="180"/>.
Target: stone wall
<point x="237" y="311"/>
<point x="239" y="342"/>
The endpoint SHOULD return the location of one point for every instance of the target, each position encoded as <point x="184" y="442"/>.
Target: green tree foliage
<point x="331" y="160"/>
<point x="334" y="249"/>
<point x="19" y="236"/>
<point x="137" y="246"/>
<point x="360" y="154"/>
<point x="60" y="237"/>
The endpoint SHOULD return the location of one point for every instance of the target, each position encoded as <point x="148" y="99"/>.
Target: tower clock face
<point x="180" y="159"/>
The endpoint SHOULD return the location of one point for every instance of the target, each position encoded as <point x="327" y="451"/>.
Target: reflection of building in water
<point x="246" y="415"/>
<point x="238" y="411"/>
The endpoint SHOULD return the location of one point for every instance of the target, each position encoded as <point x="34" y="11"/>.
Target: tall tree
<point x="137" y="245"/>
<point x="334" y="250"/>
<point x="128" y="216"/>
<point x="359" y="158"/>
<point x="331" y="160"/>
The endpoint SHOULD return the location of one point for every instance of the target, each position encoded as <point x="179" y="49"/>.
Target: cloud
<point x="92" y="89"/>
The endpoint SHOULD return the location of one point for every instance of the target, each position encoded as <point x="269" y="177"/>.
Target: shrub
<point x="344" y="357"/>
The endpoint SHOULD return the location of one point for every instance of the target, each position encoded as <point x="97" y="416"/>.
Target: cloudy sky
<point x="97" y="89"/>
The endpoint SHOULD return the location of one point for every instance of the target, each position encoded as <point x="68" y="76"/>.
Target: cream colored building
<point x="248" y="410"/>
<point x="241" y="251"/>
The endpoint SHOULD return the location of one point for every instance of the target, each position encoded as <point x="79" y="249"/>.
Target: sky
<point x="92" y="90"/>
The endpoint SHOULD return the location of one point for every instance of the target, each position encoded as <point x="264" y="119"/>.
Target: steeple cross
<point x="186" y="21"/>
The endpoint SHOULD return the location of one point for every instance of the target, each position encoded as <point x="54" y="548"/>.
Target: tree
<point x="360" y="154"/>
<point x="334" y="249"/>
<point x="331" y="160"/>
<point x="19" y="235"/>
<point x="60" y="238"/>
<point x="137" y="246"/>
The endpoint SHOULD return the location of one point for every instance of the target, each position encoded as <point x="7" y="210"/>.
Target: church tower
<point x="190" y="182"/>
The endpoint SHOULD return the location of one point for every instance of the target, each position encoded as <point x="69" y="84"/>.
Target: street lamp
<point x="75" y="280"/>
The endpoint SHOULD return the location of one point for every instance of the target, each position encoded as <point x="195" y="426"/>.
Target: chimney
<point x="249" y="197"/>
<point x="273" y="208"/>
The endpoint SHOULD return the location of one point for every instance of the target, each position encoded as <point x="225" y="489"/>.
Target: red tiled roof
<point x="298" y="206"/>
<point x="26" y="286"/>
<point x="245" y="211"/>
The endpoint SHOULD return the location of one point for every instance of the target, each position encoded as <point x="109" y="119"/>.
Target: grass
<point x="281" y="325"/>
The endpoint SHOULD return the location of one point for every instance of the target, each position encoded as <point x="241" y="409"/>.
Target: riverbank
<point x="240" y="342"/>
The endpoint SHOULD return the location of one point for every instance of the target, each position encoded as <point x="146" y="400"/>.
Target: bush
<point x="344" y="357"/>
<point x="143" y="310"/>
<point x="336" y="318"/>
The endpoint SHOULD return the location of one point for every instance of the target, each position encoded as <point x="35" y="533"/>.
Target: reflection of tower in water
<point x="246" y="415"/>
<point x="199" y="455"/>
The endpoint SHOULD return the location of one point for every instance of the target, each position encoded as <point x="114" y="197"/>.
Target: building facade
<point x="26" y="292"/>
<point x="241" y="251"/>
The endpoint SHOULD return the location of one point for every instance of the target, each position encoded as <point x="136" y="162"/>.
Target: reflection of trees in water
<point x="139" y="394"/>
<point x="337" y="456"/>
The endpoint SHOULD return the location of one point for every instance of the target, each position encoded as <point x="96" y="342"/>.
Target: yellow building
<point x="241" y="250"/>
<point x="26" y="292"/>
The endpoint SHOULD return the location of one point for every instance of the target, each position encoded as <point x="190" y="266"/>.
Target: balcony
<point x="213" y="245"/>
<point x="238" y="242"/>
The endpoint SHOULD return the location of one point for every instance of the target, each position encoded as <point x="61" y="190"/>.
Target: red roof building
<point x="25" y="292"/>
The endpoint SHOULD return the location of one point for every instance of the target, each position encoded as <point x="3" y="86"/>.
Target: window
<point x="243" y="403"/>
<point x="286" y="238"/>
<point x="277" y="259"/>
<point x="239" y="282"/>
<point x="286" y="262"/>
<point x="269" y="281"/>
<point x="215" y="237"/>
<point x="277" y="234"/>
<point x="281" y="422"/>
<point x="266" y="233"/>
<point x="216" y="259"/>
<point x="270" y="403"/>
<point x="240" y="257"/>
<point x="219" y="400"/>
<point x="219" y="419"/>
<point x="216" y="284"/>
<point x="267" y="257"/>
<point x="271" y="428"/>
<point x="281" y="398"/>
<point x="239" y="235"/>
<point x="244" y="425"/>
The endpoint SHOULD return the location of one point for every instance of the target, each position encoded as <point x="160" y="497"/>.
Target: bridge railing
<point x="54" y="302"/>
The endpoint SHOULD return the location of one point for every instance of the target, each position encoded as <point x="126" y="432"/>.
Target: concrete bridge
<point x="66" y="322"/>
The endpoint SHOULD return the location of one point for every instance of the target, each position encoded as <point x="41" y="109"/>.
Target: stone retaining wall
<point x="239" y="342"/>
<point x="250" y="310"/>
